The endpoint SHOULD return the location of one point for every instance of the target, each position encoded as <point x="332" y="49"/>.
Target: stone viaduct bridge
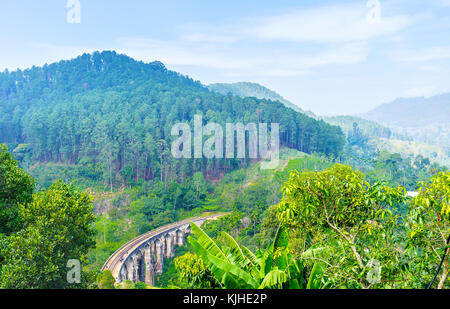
<point x="142" y="258"/>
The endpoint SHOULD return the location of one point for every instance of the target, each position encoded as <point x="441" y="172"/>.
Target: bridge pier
<point x="122" y="274"/>
<point x="179" y="235"/>
<point x="159" y="256"/>
<point x="149" y="265"/>
<point x="169" y="245"/>
<point x="135" y="258"/>
<point x="130" y="269"/>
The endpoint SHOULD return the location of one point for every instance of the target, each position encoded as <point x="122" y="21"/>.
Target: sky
<point x="329" y="57"/>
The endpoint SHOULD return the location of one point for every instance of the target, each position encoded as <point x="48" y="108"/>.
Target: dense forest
<point x="116" y="114"/>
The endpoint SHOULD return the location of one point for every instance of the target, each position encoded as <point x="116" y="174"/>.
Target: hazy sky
<point x="330" y="57"/>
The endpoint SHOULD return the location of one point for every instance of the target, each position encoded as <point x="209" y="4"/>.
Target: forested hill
<point x="111" y="111"/>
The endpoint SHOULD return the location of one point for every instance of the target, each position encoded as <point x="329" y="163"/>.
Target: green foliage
<point x="304" y="164"/>
<point x="140" y="286"/>
<point x="16" y="187"/>
<point x="57" y="228"/>
<point x="126" y="285"/>
<point x="429" y="225"/>
<point x="343" y="220"/>
<point x="193" y="273"/>
<point x="315" y="279"/>
<point x="390" y="167"/>
<point x="85" y="174"/>
<point x="111" y="234"/>
<point x="107" y="280"/>
<point x="231" y="223"/>
<point x="337" y="196"/>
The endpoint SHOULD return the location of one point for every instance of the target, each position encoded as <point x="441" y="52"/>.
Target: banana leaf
<point x="206" y="242"/>
<point x="315" y="279"/>
<point x="242" y="276"/>
<point x="274" y="279"/>
<point x="235" y="250"/>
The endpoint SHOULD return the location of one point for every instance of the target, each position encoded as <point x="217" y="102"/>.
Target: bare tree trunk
<point x="444" y="276"/>
<point x="161" y="169"/>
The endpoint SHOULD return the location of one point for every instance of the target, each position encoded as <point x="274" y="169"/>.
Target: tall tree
<point x="429" y="225"/>
<point x="16" y="187"/>
<point x="58" y="227"/>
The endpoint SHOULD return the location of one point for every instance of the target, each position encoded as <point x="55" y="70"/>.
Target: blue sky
<point x="330" y="57"/>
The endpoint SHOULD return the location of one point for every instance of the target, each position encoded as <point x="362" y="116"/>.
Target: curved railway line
<point x="116" y="260"/>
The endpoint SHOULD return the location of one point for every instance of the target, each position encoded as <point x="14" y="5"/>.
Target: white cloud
<point x="343" y="54"/>
<point x="331" y="24"/>
<point x="445" y="3"/>
<point x="421" y="55"/>
<point x="225" y="59"/>
<point x="267" y="62"/>
<point x="213" y="38"/>
<point x="430" y="68"/>
<point x="179" y="52"/>
<point x="253" y="44"/>
<point x="38" y="54"/>
<point x="425" y="91"/>
<point x="341" y="23"/>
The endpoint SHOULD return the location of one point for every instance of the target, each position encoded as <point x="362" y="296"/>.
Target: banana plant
<point x="236" y="267"/>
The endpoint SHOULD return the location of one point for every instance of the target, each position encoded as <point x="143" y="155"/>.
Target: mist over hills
<point x="424" y="119"/>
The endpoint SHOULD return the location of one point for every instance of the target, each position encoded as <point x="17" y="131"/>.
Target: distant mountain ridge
<point x="382" y="135"/>
<point x="424" y="119"/>
<point x="246" y="89"/>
